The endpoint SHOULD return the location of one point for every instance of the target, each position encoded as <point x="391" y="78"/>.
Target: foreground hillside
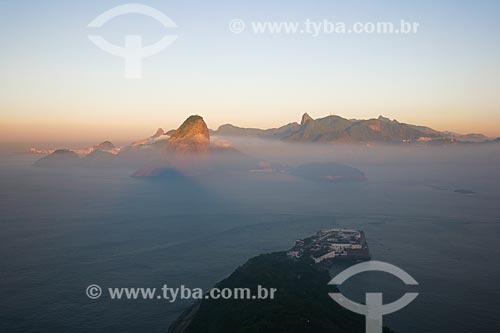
<point x="301" y="303"/>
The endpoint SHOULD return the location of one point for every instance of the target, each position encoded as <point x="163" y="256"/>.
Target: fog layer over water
<point x="433" y="211"/>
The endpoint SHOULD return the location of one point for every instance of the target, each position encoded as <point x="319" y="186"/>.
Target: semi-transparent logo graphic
<point x="374" y="309"/>
<point x="133" y="52"/>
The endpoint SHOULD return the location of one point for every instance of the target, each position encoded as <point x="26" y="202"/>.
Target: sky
<point x="57" y="86"/>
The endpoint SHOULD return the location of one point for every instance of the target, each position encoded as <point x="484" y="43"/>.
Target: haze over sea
<point x="64" y="229"/>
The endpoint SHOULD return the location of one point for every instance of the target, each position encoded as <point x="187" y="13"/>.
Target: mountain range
<point x="190" y="151"/>
<point x="195" y="136"/>
<point x="334" y="128"/>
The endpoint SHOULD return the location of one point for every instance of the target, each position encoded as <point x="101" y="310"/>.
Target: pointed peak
<point x="382" y="118"/>
<point x="159" y="132"/>
<point x="192" y="122"/>
<point x="192" y="126"/>
<point x="191" y="136"/>
<point x="305" y="117"/>
<point x="104" y="145"/>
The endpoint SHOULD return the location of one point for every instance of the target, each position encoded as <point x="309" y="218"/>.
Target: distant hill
<point x="337" y="129"/>
<point x="60" y="157"/>
<point x="106" y="145"/>
<point x="159" y="134"/>
<point x="274" y="133"/>
<point x="472" y="137"/>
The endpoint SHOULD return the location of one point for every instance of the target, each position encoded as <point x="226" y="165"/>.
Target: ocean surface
<point x="64" y="229"/>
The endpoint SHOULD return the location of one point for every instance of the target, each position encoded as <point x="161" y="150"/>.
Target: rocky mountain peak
<point x="159" y="132"/>
<point x="305" y="117"/>
<point x="191" y="136"/>
<point x="382" y="118"/>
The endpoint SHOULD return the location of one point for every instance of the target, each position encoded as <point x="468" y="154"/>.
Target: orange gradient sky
<point x="56" y="86"/>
